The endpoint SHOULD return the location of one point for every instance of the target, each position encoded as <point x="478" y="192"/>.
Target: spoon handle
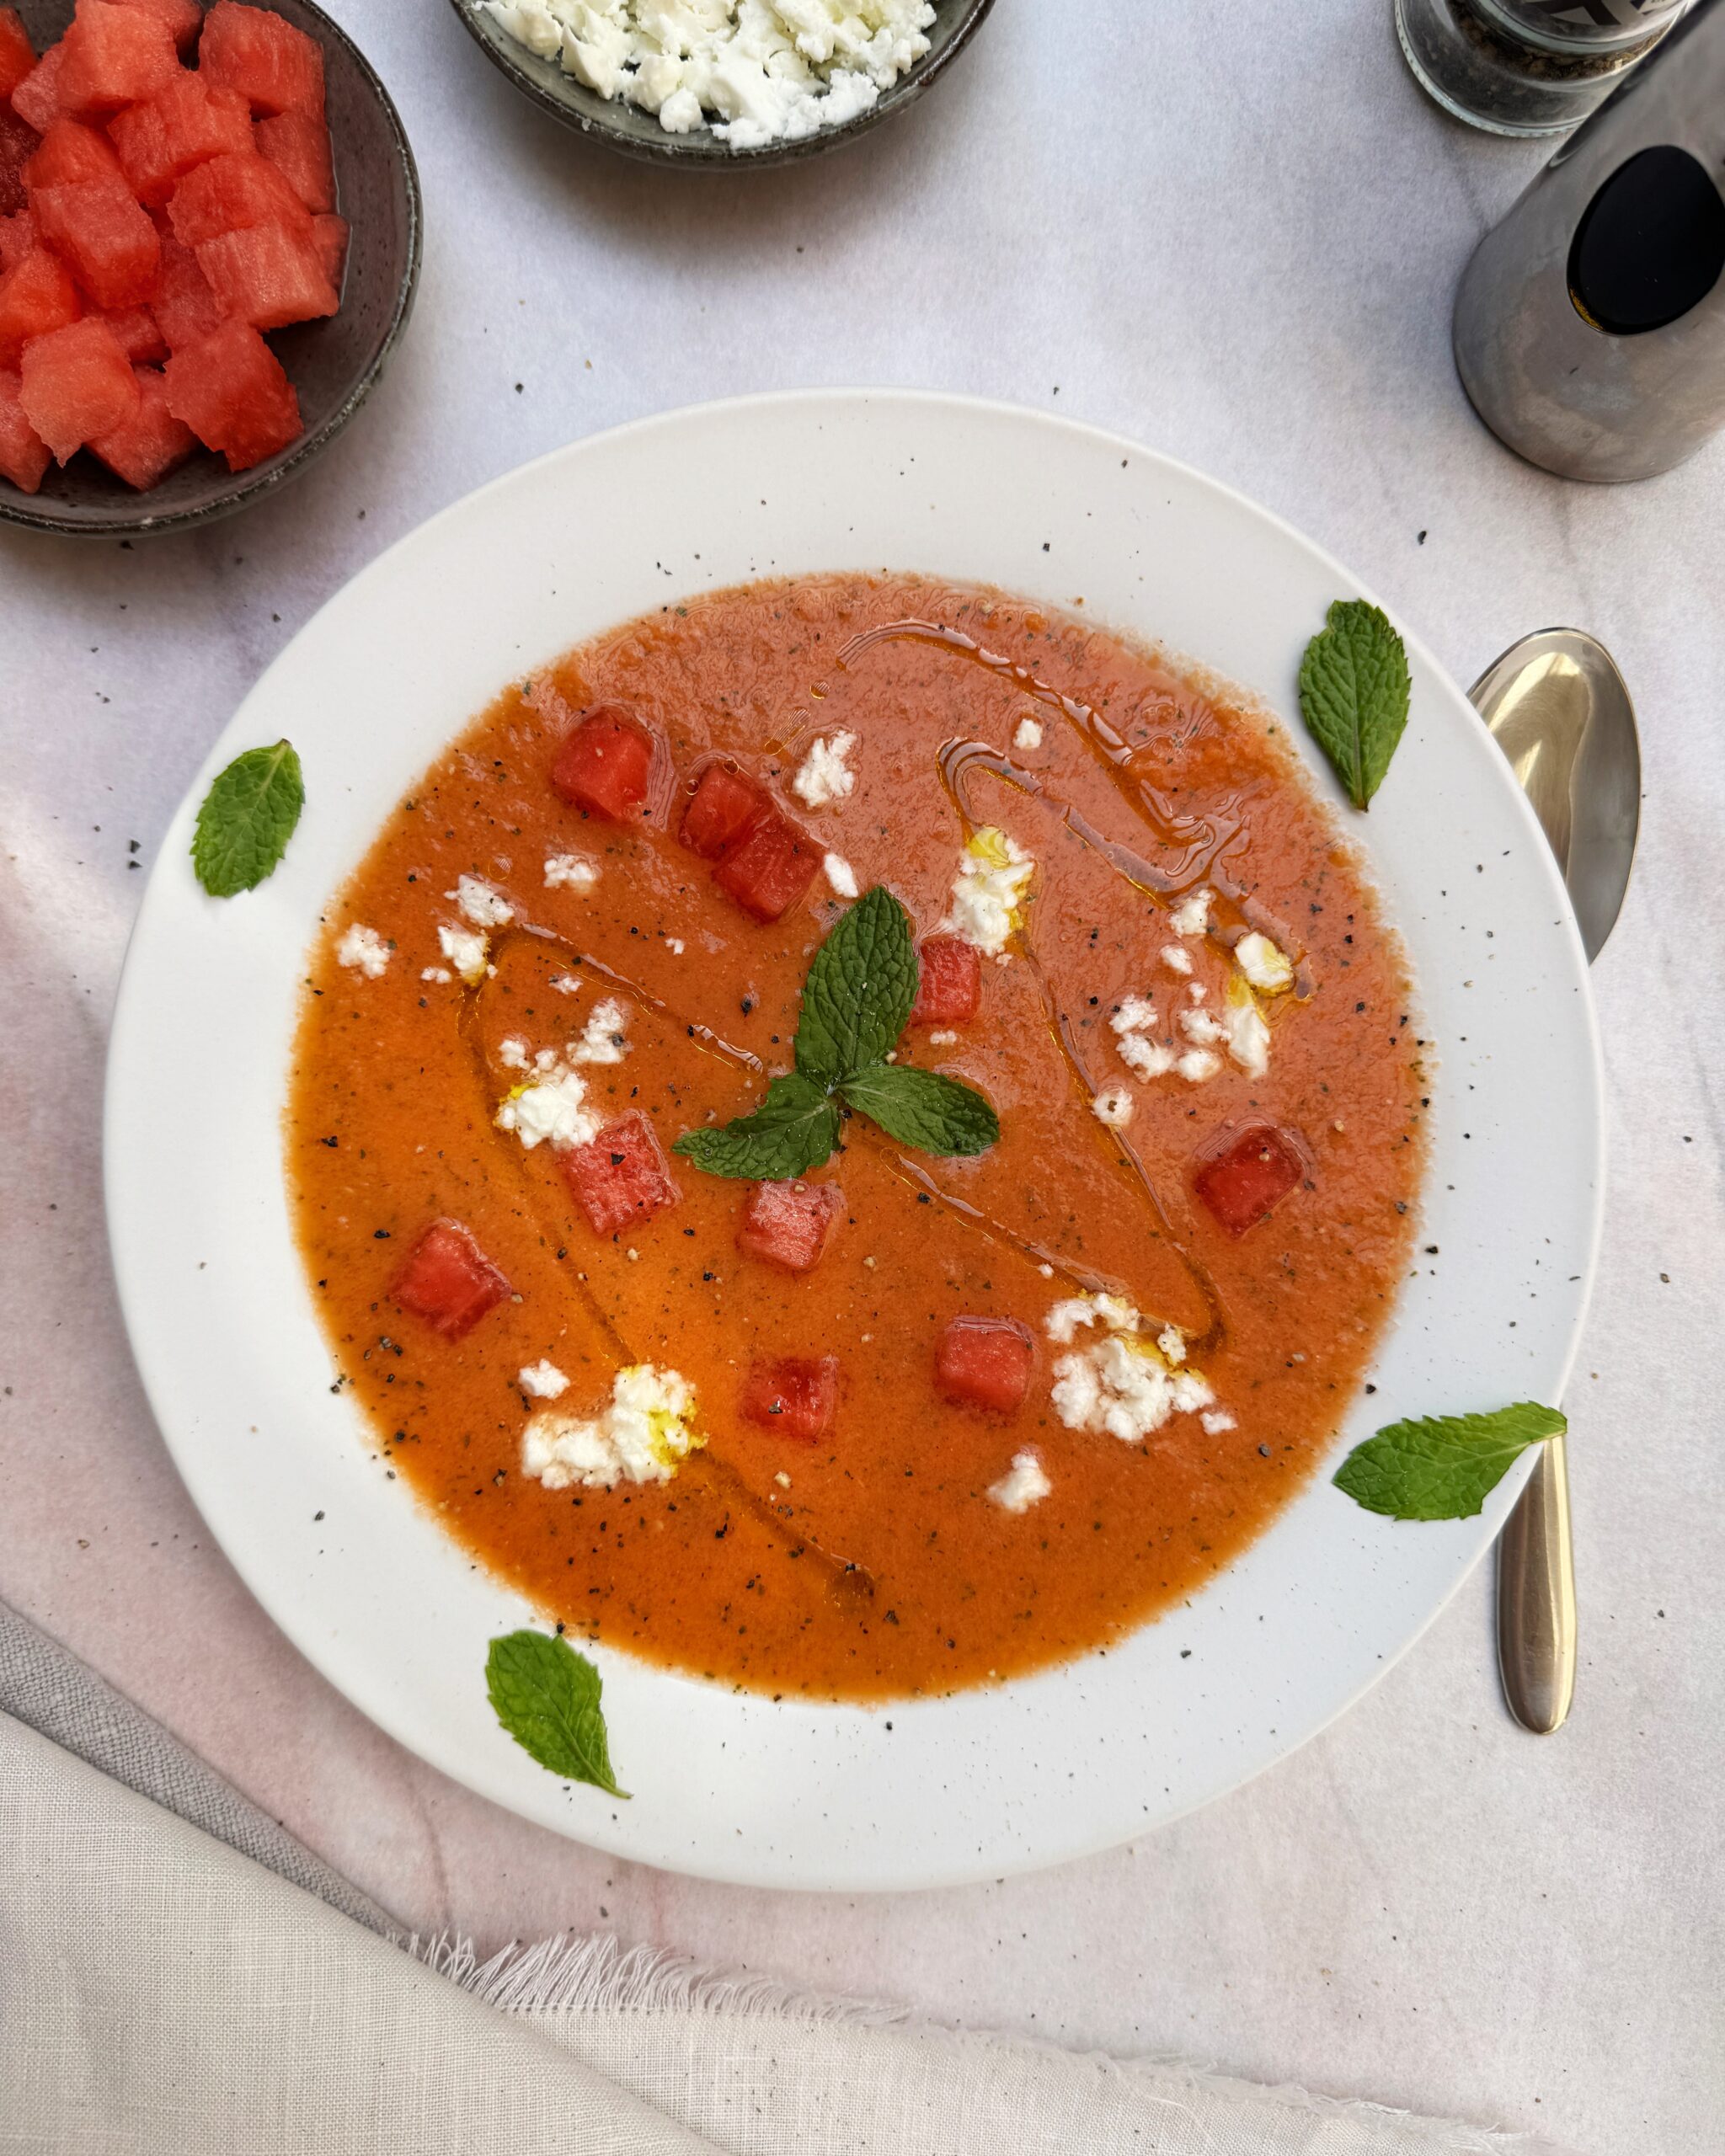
<point x="1536" y="1598"/>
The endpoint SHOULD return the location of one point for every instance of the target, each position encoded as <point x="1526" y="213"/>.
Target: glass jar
<point x="1528" y="66"/>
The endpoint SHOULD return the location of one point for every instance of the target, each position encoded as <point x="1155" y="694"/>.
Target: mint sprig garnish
<point x="796" y="1127"/>
<point x="1444" y="1466"/>
<point x="856" y="1001"/>
<point x="1353" y="694"/>
<point x="546" y="1696"/>
<point x="248" y="818"/>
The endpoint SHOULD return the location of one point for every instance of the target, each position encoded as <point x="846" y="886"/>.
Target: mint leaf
<point x="248" y="818"/>
<point x="1444" y="1466"/>
<point x="922" y="1108"/>
<point x="859" y="990"/>
<point x="794" y="1128"/>
<point x="546" y="1696"/>
<point x="1353" y="694"/>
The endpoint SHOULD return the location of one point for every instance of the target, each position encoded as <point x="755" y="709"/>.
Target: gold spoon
<point x="1557" y="706"/>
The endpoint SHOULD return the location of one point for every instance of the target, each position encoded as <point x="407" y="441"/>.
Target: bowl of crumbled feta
<point x="722" y="82"/>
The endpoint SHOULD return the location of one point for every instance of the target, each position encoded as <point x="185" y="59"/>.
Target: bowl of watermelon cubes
<point x="209" y="243"/>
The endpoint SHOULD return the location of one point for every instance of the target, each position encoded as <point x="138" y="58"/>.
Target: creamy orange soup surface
<point x="862" y="1514"/>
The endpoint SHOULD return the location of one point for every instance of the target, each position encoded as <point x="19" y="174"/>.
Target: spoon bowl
<point x="1557" y="706"/>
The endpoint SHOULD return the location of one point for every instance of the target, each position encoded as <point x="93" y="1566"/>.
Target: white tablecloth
<point x="1233" y="232"/>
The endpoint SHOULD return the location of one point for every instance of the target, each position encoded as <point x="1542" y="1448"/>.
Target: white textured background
<point x="1233" y="232"/>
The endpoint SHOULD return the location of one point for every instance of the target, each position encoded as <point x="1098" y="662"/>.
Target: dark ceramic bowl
<point x="333" y="364"/>
<point x="637" y="134"/>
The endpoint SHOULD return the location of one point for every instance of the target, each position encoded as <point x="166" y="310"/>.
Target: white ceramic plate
<point x="365" y="1584"/>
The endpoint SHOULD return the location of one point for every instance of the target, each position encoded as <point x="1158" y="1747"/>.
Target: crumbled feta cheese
<point x="553" y="1108"/>
<point x="365" y="950"/>
<point x="1026" y="1485"/>
<point x="542" y="1380"/>
<point x="758" y="71"/>
<point x="1198" y="1026"/>
<point x="436" y="972"/>
<point x="566" y="984"/>
<point x="941" y="1039"/>
<point x="1265" y="964"/>
<point x="603" y="1039"/>
<point x="1062" y="1322"/>
<point x="1146" y="1058"/>
<point x="1248" y="1035"/>
<point x="570" y="872"/>
<point x="512" y="1053"/>
<point x="1121" y="1387"/>
<point x="1113" y="1105"/>
<point x="1027" y="734"/>
<point x="674" y="944"/>
<point x="1171" y="1344"/>
<point x="1136" y="1015"/>
<point x="1191" y="917"/>
<point x="989" y="891"/>
<point x="840" y="875"/>
<point x="1177" y="960"/>
<point x="481" y="903"/>
<point x="1218" y="1420"/>
<point x="465" y="950"/>
<point x="823" y="776"/>
<point x="1196" y="991"/>
<point x="1197" y="1065"/>
<point x="643" y="1435"/>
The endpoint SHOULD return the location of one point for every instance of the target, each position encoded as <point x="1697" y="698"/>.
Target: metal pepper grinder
<point x="1590" y="324"/>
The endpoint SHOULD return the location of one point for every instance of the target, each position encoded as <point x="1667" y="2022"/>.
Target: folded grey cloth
<point x="47" y="1688"/>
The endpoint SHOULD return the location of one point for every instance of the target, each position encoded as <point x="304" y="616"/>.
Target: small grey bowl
<point x="637" y="134"/>
<point x="332" y="364"/>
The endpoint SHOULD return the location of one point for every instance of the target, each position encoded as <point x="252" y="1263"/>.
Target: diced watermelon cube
<point x="76" y="383"/>
<point x="184" y="307"/>
<point x="275" y="68"/>
<point x="151" y="444"/>
<point x="448" y="1280"/>
<point x="793" y="1396"/>
<point x="984" y="1362"/>
<point x="114" y="56"/>
<point x="330" y="235"/>
<point x="949" y="982"/>
<point x="622" y="1179"/>
<point x="19" y="238"/>
<point x="17" y="55"/>
<point x="230" y="389"/>
<point x="37" y="100"/>
<point x="18" y="145"/>
<point x="36" y="295"/>
<point x="268" y="276"/>
<point x="99" y="229"/>
<point x="298" y="144"/>
<point x="721" y="809"/>
<point x="68" y="152"/>
<point x="770" y="868"/>
<point x="1245" y="1178"/>
<point x="24" y="455"/>
<point x="180" y="18"/>
<point x="160" y="142"/>
<point x="602" y="766"/>
<point x="231" y="193"/>
<point x="788" y="1224"/>
<point x="136" y="327"/>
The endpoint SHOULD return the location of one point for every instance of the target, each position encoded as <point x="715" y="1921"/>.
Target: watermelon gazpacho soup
<point x="167" y="199"/>
<point x="856" y="1136"/>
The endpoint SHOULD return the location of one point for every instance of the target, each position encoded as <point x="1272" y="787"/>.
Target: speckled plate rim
<point x="727" y="1786"/>
<point x="585" y="112"/>
<point x="132" y="518"/>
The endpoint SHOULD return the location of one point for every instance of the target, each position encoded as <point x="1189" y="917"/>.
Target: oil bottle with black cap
<point x="1590" y="324"/>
